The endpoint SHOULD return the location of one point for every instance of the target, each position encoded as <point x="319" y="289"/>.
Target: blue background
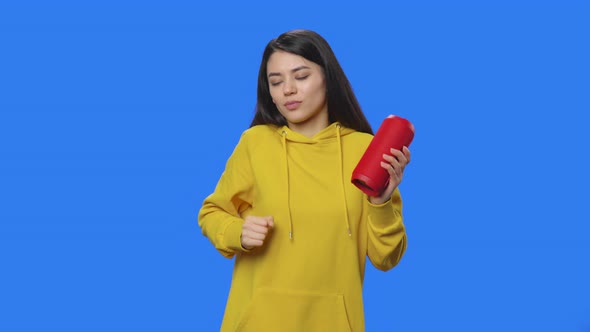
<point x="116" y="119"/>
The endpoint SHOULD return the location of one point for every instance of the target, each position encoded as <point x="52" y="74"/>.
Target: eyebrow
<point x="293" y="71"/>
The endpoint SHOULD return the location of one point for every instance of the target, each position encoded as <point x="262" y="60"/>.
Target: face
<point x="297" y="87"/>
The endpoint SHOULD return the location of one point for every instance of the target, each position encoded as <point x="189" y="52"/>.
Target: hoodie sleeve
<point x="386" y="232"/>
<point x="219" y="217"/>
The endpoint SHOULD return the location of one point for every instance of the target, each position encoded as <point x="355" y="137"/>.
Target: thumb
<point x="270" y="222"/>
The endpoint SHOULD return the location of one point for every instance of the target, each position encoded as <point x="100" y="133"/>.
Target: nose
<point x="289" y="88"/>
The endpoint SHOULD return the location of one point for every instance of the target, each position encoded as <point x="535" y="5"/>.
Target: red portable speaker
<point x="395" y="132"/>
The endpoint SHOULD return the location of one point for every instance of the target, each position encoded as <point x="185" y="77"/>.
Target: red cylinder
<point x="395" y="132"/>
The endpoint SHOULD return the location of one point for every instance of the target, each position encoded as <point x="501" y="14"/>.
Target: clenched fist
<point x="255" y="230"/>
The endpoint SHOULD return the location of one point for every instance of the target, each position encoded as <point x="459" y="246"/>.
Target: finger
<point x="260" y="221"/>
<point x="400" y="156"/>
<point x="392" y="161"/>
<point x="256" y="228"/>
<point x="407" y="154"/>
<point x="270" y="221"/>
<point x="389" y="168"/>
<point x="253" y="235"/>
<point x="394" y="174"/>
<point x="249" y="243"/>
<point x="394" y="178"/>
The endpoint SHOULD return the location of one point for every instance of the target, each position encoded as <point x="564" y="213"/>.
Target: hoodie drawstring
<point x="342" y="183"/>
<point x="284" y="140"/>
<point x="340" y="157"/>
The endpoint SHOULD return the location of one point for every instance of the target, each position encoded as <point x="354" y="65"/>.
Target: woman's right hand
<point x="255" y="230"/>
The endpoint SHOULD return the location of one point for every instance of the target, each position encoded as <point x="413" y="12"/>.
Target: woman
<point x="285" y="206"/>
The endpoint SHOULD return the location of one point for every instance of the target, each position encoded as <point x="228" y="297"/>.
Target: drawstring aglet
<point x="290" y="235"/>
<point x="349" y="233"/>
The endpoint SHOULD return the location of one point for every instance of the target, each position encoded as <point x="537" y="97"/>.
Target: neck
<point x="311" y="127"/>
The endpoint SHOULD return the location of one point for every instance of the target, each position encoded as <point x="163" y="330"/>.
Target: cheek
<point x="319" y="92"/>
<point x="273" y="96"/>
<point x="318" y="88"/>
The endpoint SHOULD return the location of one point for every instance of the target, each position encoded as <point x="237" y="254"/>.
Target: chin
<point x="292" y="118"/>
<point x="296" y="120"/>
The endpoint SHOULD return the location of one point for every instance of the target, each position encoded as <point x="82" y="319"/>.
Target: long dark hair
<point x="341" y="100"/>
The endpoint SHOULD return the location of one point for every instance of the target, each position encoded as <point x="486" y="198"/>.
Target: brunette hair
<point x="341" y="100"/>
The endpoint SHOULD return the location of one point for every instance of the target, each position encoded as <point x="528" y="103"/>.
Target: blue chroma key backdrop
<point x="117" y="118"/>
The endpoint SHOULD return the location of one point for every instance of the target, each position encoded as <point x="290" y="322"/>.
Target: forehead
<point x="281" y="61"/>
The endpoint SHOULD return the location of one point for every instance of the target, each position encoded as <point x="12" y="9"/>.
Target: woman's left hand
<point x="395" y="165"/>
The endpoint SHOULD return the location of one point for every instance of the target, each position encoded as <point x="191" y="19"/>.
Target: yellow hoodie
<point x="308" y="275"/>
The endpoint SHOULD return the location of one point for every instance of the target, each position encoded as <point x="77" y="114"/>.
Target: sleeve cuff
<point x="232" y="236"/>
<point x="382" y="215"/>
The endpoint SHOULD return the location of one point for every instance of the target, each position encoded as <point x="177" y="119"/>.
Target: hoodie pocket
<point x="289" y="310"/>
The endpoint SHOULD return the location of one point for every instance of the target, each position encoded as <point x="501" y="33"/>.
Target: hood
<point x="330" y="132"/>
<point x="335" y="131"/>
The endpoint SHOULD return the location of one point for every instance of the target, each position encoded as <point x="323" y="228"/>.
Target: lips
<point x="292" y="105"/>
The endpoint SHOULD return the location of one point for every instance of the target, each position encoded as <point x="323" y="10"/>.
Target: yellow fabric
<point x="285" y="161"/>
<point x="312" y="280"/>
